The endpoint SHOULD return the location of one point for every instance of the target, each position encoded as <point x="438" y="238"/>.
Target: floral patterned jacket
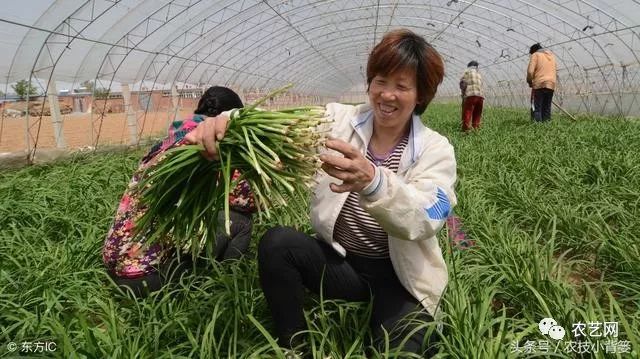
<point x="128" y="257"/>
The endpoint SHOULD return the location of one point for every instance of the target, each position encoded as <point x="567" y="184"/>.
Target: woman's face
<point x="393" y="98"/>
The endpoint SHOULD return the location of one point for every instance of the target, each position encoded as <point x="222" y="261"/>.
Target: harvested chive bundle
<point x="275" y="152"/>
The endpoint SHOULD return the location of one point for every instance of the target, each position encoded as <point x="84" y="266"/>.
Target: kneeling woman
<point x="144" y="268"/>
<point x="386" y="190"/>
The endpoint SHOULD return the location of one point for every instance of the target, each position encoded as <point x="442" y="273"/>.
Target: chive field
<point x="554" y="210"/>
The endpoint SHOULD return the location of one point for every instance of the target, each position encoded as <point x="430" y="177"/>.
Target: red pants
<point x="472" y="105"/>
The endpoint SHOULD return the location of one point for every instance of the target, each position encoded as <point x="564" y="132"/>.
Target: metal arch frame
<point x="581" y="67"/>
<point x="178" y="68"/>
<point x="6" y="90"/>
<point x="112" y="45"/>
<point x="298" y="58"/>
<point x="468" y="15"/>
<point x="181" y="66"/>
<point x="513" y="60"/>
<point x="571" y="74"/>
<point x="212" y="51"/>
<point x="54" y="59"/>
<point x="546" y="12"/>
<point x="97" y="79"/>
<point x="615" y="34"/>
<point x="524" y="15"/>
<point x="561" y="19"/>
<point x="593" y="44"/>
<point x="164" y="63"/>
<point x="344" y="47"/>
<point x="311" y="64"/>
<point x="343" y="10"/>
<point x="304" y="37"/>
<point x="562" y="60"/>
<point x="450" y="22"/>
<point x="341" y="31"/>
<point x="337" y="49"/>
<point x="219" y="47"/>
<point x="368" y="27"/>
<point x="564" y="21"/>
<point x="489" y="27"/>
<point x="502" y="15"/>
<point x="126" y="37"/>
<point x="185" y="30"/>
<point x="241" y="71"/>
<point x="270" y="39"/>
<point x="185" y="60"/>
<point x="274" y="34"/>
<point x="538" y="21"/>
<point x="505" y="15"/>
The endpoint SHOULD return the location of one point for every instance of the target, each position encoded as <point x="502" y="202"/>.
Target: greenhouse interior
<point x="487" y="173"/>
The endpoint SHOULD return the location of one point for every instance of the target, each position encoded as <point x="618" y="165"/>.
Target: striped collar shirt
<point x="355" y="229"/>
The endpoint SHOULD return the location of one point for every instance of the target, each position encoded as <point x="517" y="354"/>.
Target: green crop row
<point x="553" y="209"/>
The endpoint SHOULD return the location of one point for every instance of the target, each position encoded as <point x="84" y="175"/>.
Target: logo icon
<point x="549" y="326"/>
<point x="546" y="324"/>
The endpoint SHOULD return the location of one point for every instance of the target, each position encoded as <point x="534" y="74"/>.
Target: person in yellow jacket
<point x="541" y="77"/>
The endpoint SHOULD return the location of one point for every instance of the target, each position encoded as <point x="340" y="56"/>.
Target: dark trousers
<point x="227" y="247"/>
<point x="542" y="101"/>
<point x="290" y="261"/>
<point x="471" y="110"/>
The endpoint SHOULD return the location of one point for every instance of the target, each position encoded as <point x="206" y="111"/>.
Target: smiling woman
<point x="384" y="194"/>
<point x="403" y="74"/>
<point x="376" y="226"/>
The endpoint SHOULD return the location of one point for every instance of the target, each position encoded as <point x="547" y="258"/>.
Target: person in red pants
<point x="472" y="97"/>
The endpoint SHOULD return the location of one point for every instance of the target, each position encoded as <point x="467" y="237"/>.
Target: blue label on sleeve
<point x="439" y="210"/>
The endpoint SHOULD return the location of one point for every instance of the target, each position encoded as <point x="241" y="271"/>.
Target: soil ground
<point x="77" y="130"/>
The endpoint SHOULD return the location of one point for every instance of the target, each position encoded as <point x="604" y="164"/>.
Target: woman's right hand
<point x="208" y="133"/>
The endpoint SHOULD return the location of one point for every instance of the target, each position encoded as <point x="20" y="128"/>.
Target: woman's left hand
<point x="355" y="171"/>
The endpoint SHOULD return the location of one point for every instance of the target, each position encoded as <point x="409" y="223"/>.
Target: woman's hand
<point x="208" y="133"/>
<point x="355" y="171"/>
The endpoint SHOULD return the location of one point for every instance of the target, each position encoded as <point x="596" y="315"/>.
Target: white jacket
<point x="411" y="206"/>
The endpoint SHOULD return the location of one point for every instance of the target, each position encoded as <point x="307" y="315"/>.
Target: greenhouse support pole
<point x="56" y="117"/>
<point x="131" y="117"/>
<point x="175" y="97"/>
<point x="175" y="101"/>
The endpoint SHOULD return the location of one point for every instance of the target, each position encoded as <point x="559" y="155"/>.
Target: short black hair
<point x="473" y="63"/>
<point x="216" y="100"/>
<point x="535" y="47"/>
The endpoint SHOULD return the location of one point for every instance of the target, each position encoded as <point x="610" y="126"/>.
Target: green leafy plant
<point x="273" y="151"/>
<point x="548" y="243"/>
<point x="24" y="88"/>
<point x="101" y="93"/>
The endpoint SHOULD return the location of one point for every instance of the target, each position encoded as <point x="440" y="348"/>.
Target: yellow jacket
<point x="541" y="72"/>
<point x="410" y="205"/>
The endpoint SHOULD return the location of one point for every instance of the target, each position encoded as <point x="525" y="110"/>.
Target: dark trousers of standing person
<point x="542" y="100"/>
<point x="471" y="112"/>
<point x="227" y="247"/>
<point x="290" y="261"/>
